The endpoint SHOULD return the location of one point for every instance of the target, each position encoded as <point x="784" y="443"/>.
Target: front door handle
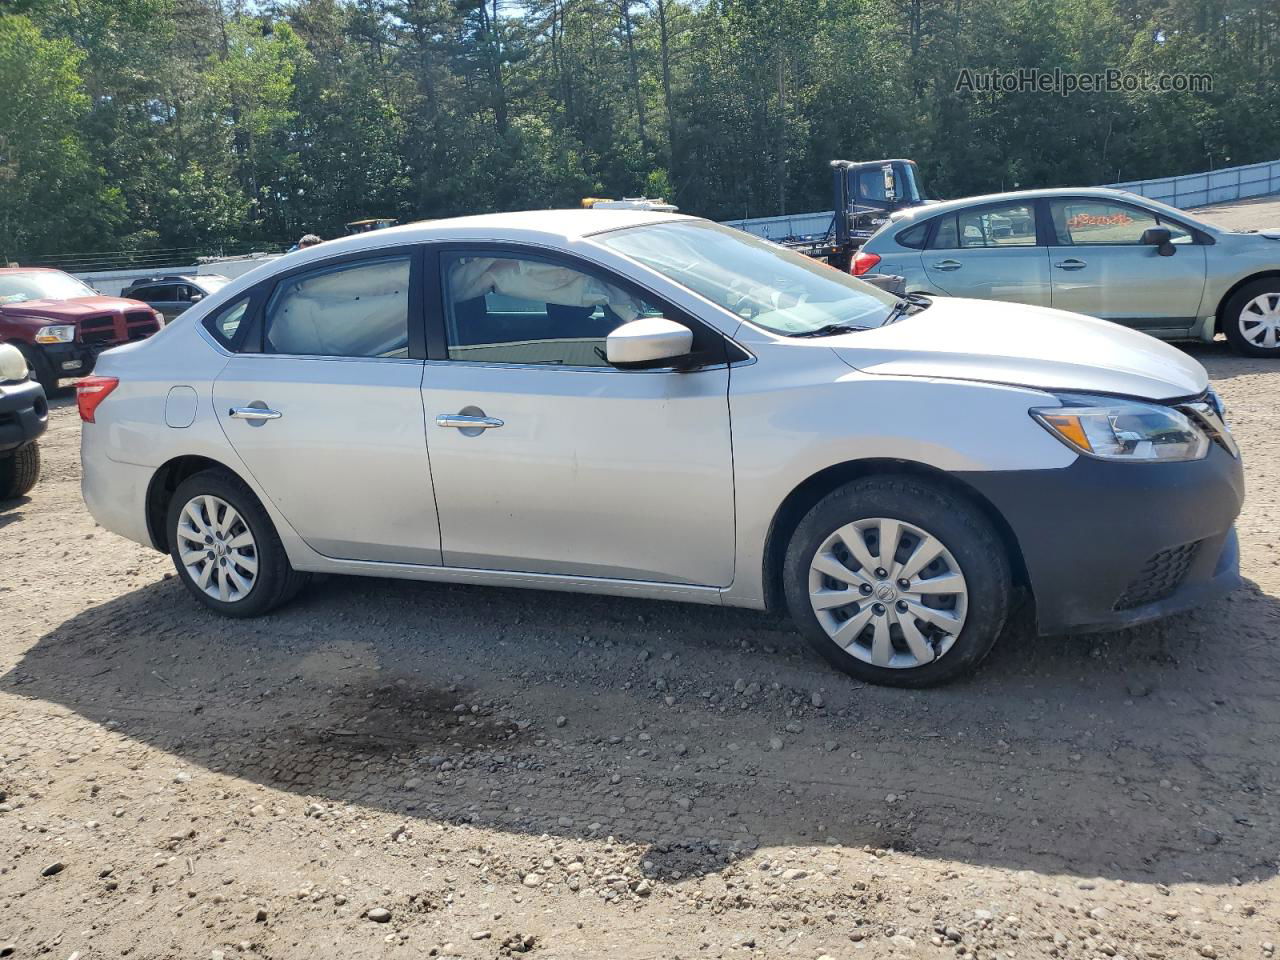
<point x="1071" y="264"/>
<point x="467" y="422"/>
<point x="948" y="265"/>
<point x="256" y="414"/>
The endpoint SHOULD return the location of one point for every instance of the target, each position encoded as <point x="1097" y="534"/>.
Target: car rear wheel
<point x="897" y="581"/>
<point x="19" y="471"/>
<point x="225" y="548"/>
<point x="1251" y="319"/>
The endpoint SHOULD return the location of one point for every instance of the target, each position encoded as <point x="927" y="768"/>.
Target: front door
<point x="546" y="459"/>
<point x="989" y="253"/>
<point x="328" y="415"/>
<point x="1099" y="268"/>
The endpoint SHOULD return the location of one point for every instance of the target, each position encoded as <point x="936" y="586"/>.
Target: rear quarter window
<point x="226" y="323"/>
<point x="913" y="237"/>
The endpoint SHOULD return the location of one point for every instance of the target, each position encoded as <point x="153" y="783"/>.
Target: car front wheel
<point x="1251" y="319"/>
<point x="19" y="471"/>
<point x="225" y="548"/>
<point x="898" y="581"/>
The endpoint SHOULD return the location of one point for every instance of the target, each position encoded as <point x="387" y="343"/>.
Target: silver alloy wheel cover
<point x="1260" y="321"/>
<point x="217" y="548"/>
<point x="898" y="608"/>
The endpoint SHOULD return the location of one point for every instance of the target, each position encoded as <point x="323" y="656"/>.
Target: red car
<point x="61" y="324"/>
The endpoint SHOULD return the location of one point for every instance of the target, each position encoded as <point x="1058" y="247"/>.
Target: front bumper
<point x="1111" y="545"/>
<point x="24" y="414"/>
<point x="72" y="359"/>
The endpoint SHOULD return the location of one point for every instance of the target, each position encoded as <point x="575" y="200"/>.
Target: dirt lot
<point x="389" y="769"/>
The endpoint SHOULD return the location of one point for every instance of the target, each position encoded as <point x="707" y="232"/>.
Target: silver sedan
<point x="1106" y="253"/>
<point x="651" y="405"/>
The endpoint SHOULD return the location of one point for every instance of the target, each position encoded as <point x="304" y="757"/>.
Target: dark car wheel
<point x="897" y="581"/>
<point x="41" y="370"/>
<point x="1251" y="319"/>
<point x="225" y="548"/>
<point x="19" y="471"/>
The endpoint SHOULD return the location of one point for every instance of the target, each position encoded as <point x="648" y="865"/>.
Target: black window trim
<point x="437" y="338"/>
<point x="250" y="338"/>
<point x="1198" y="237"/>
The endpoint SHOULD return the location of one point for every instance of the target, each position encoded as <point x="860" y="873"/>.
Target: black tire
<point x="277" y="582"/>
<point x="19" y="471"/>
<point x="42" y="370"/>
<point x="950" y="519"/>
<point x="1233" y="317"/>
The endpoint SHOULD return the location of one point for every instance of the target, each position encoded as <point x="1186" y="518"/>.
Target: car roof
<point x="30" y="270"/>
<point x="928" y="210"/>
<point x="525" y="225"/>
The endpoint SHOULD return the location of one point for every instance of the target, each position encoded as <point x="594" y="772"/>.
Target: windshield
<point x="41" y="285"/>
<point x="1175" y="213"/>
<point x="758" y="281"/>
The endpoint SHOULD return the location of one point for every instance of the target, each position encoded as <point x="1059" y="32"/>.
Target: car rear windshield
<point x="41" y="285"/>
<point x="761" y="282"/>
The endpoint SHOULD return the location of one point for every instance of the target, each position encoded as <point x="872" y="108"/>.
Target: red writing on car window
<point x="1095" y="220"/>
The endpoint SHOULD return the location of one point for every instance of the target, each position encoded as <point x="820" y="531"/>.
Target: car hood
<point x="69" y="311"/>
<point x="1028" y="346"/>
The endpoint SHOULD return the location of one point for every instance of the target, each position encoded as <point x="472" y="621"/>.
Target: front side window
<point x="1088" y="222"/>
<point x="507" y="308"/>
<point x="358" y="309"/>
<point x="751" y="278"/>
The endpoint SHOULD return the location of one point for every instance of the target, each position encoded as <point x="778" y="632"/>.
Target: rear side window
<point x="946" y="237"/>
<point x="913" y="237"/>
<point x="1004" y="225"/>
<point x="358" y="309"/>
<point x="225" y="324"/>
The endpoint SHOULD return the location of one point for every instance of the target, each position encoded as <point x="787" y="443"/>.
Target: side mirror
<point x="648" y="342"/>
<point x="196" y="297"/>
<point x="1160" y="238"/>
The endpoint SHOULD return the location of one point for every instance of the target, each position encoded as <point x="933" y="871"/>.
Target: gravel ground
<point x="390" y="769"/>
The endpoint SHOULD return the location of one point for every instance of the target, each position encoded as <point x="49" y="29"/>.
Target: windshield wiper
<point x="830" y="330"/>
<point x="911" y="303"/>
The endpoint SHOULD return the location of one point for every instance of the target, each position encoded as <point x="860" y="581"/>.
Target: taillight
<point x="90" y="392"/>
<point x="862" y="262"/>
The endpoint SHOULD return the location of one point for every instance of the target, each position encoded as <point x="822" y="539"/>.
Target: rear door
<point x="1099" y="268"/>
<point x="989" y="253"/>
<point x="322" y="402"/>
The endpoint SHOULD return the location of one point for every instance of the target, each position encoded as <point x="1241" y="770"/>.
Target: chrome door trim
<point x="467" y="422"/>
<point x="251" y="413"/>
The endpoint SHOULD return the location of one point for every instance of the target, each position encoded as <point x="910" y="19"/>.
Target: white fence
<point x="1191" y="190"/>
<point x="1216" y="186"/>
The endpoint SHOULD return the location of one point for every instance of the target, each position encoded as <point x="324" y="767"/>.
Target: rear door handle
<point x="465" y="422"/>
<point x="948" y="265"/>
<point x="256" y="414"/>
<point x="1072" y="264"/>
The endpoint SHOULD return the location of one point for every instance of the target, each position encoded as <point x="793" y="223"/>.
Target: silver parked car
<point x="645" y="404"/>
<point x="1102" y="252"/>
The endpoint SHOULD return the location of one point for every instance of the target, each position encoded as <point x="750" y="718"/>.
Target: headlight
<point x="159" y="317"/>
<point x="13" y="365"/>
<point x="1127" y="430"/>
<point x="58" y="333"/>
